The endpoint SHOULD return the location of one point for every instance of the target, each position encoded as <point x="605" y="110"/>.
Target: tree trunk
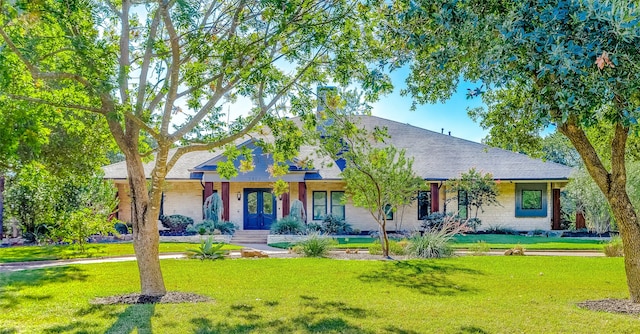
<point x="146" y="238"/>
<point x="627" y="220"/>
<point x="613" y="186"/>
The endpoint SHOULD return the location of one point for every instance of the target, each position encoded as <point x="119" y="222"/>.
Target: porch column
<point x="208" y="190"/>
<point x="556" y="210"/>
<point x="285" y="204"/>
<point x="225" y="201"/>
<point x="435" y="198"/>
<point x="580" y="223"/>
<point x="302" y="195"/>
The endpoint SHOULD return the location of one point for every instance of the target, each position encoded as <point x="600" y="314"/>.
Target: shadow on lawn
<point x="12" y="283"/>
<point x="314" y="316"/>
<point x="427" y="277"/>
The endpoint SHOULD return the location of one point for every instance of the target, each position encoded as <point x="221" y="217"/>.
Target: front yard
<point x="457" y="295"/>
<point x="57" y="252"/>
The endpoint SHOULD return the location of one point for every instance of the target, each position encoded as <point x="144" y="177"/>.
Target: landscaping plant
<point x="208" y="250"/>
<point x="435" y="242"/>
<point x="316" y="245"/>
<point x="614" y="248"/>
<point x="288" y="225"/>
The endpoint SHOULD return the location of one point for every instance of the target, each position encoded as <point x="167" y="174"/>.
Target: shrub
<point x="314" y="228"/>
<point x="501" y="230"/>
<point x="479" y="248"/>
<point x="334" y="225"/>
<point x="395" y="247"/>
<point x="430" y="245"/>
<point x="316" y="245"/>
<point x="208" y="250"/>
<point x="614" y="248"/>
<point x="473" y="223"/>
<point x="210" y="227"/>
<point x="434" y="220"/>
<point x="435" y="242"/>
<point x="176" y="223"/>
<point x="287" y="225"/>
<point x="121" y="228"/>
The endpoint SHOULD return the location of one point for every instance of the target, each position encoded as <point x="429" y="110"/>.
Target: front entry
<point x="259" y="209"/>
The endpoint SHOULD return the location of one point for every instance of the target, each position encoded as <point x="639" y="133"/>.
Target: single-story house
<point x="249" y="202"/>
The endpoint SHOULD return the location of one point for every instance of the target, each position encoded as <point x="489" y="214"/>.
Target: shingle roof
<point x="436" y="157"/>
<point x="440" y="156"/>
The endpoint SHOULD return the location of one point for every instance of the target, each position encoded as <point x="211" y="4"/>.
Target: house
<point x="249" y="202"/>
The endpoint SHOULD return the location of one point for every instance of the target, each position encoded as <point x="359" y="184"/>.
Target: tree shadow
<point x="472" y="330"/>
<point x="11" y="283"/>
<point x="315" y="316"/>
<point x="426" y="277"/>
<point x="135" y="317"/>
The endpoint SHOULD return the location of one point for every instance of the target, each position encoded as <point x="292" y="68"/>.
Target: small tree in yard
<point x="479" y="191"/>
<point x="378" y="178"/>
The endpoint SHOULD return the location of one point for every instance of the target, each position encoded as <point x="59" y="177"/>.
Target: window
<point x="388" y="209"/>
<point x="319" y="205"/>
<point x="424" y="204"/>
<point x="531" y="200"/>
<point x="463" y="201"/>
<point x="337" y="204"/>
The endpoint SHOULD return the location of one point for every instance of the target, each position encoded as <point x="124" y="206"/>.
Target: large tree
<point x="164" y="69"/>
<point x="574" y="63"/>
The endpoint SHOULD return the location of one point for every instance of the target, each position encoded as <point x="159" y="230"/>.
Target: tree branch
<point x="55" y="104"/>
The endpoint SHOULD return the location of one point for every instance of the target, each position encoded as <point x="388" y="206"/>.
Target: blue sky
<point x="451" y="115"/>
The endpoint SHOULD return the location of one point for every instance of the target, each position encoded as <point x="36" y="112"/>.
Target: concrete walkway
<point x="17" y="266"/>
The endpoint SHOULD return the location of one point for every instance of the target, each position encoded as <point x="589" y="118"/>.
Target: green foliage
<point x="208" y="250"/>
<point x="121" y="228"/>
<point x="288" y="225"/>
<point x="614" y="248"/>
<point x="213" y="208"/>
<point x="587" y="198"/>
<point x="434" y="243"/>
<point x="378" y="177"/>
<point x="49" y="207"/>
<point x="316" y="245"/>
<point x="212" y="227"/>
<point x="176" y="223"/>
<point x="169" y="71"/>
<point x="481" y="190"/>
<point x="395" y="247"/>
<point x="429" y="245"/>
<point x="479" y="248"/>
<point x="335" y="226"/>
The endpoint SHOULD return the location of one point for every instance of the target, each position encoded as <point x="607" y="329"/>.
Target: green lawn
<point x="504" y="241"/>
<point x="488" y="294"/>
<point x="494" y="241"/>
<point x="41" y="253"/>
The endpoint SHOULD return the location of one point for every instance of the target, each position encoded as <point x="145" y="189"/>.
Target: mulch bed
<point x="624" y="306"/>
<point x="136" y="298"/>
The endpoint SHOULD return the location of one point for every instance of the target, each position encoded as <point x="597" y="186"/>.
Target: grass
<point x="57" y="252"/>
<point x="494" y="241"/>
<point x="504" y="241"/>
<point x="457" y="295"/>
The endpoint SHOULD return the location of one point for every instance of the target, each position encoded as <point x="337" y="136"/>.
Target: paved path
<point x="17" y="266"/>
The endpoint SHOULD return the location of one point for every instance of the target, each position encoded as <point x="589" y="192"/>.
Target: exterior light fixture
<point x="239" y="195"/>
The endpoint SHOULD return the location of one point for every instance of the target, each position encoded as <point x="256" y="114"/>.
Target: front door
<point x="259" y="209"/>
